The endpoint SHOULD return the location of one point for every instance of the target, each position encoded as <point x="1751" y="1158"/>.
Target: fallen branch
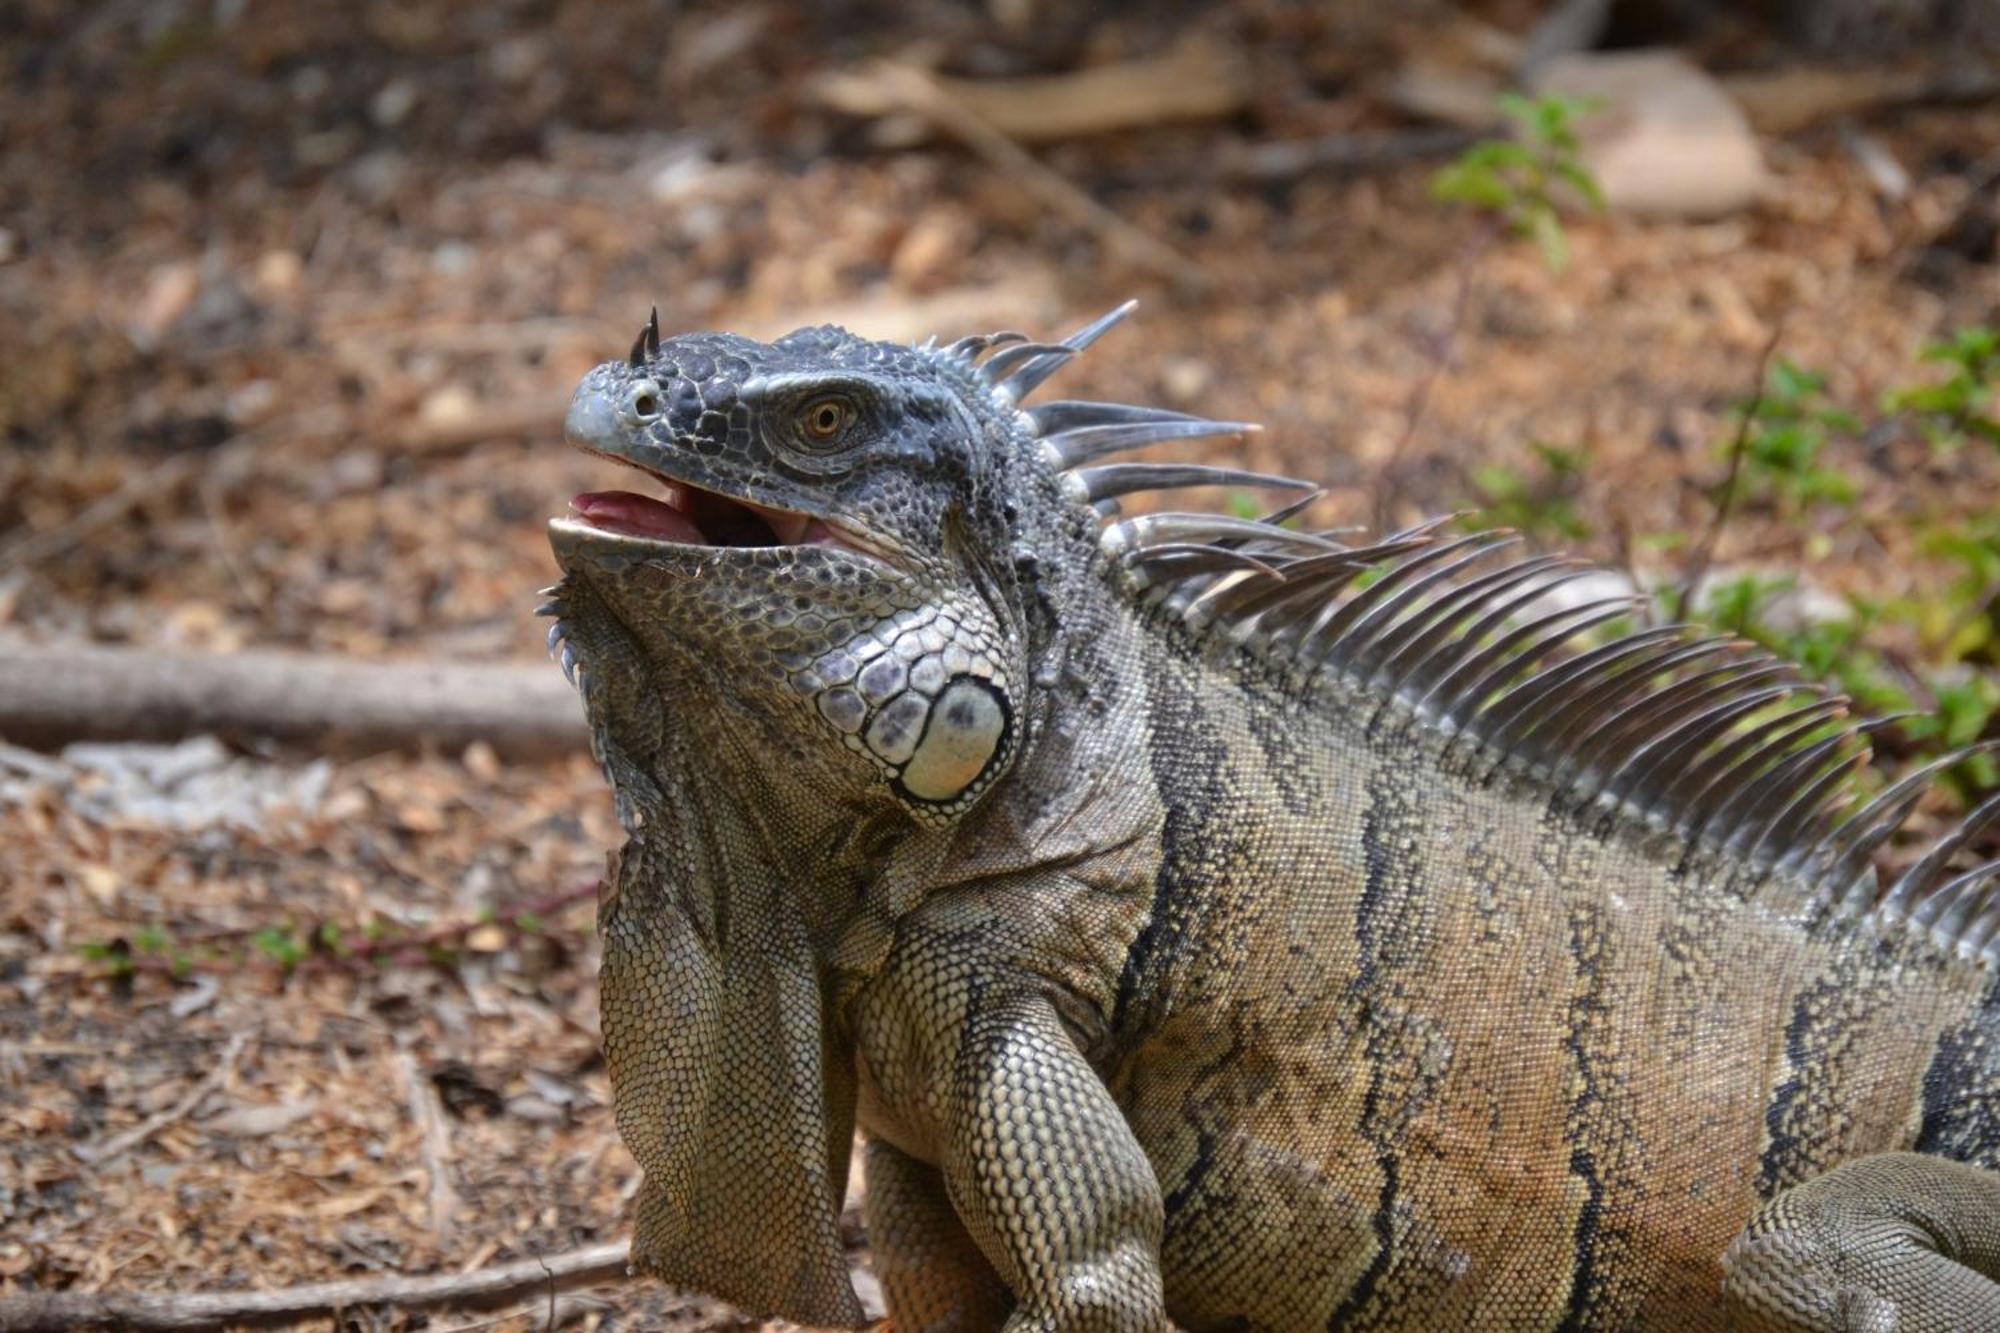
<point x="919" y="93"/>
<point x="1791" y="99"/>
<point x="1195" y="80"/>
<point x="504" y="1284"/>
<point x="1275" y="161"/>
<point x="54" y="693"/>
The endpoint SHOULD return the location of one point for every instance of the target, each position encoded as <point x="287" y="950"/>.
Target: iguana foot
<point x="1894" y="1243"/>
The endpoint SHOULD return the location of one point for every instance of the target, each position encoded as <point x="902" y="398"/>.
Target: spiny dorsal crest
<point x="1703" y="736"/>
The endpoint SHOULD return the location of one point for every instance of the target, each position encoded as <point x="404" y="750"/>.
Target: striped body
<point x="1409" y="1052"/>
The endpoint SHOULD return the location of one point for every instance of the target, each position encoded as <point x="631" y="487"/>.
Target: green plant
<point x="116" y="955"/>
<point x="1542" y="505"/>
<point x="1960" y="622"/>
<point x="1519" y="181"/>
<point x="1789" y="426"/>
<point x="282" y="945"/>
<point x="1960" y="406"/>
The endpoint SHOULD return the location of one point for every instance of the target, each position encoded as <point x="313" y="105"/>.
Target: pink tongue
<point x="640" y="515"/>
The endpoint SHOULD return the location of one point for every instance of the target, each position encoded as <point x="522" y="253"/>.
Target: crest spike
<point x="1085" y="444"/>
<point x="1000" y="365"/>
<point x="1116" y="479"/>
<point x="1918" y="877"/>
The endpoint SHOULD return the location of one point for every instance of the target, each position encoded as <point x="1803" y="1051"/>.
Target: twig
<point x="562" y="1312"/>
<point x="504" y="1284"/>
<point x="33" y="548"/>
<point x="921" y="94"/>
<point x="449" y="931"/>
<point x="403" y="949"/>
<point x="118" y="1144"/>
<point x="223" y="465"/>
<point x="1987" y="600"/>
<point x="435" y="1138"/>
<point x="1443" y="352"/>
<point x="1275" y="161"/>
<point x="1704" y="552"/>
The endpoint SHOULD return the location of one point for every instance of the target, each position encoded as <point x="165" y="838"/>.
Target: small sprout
<point x="282" y="945"/>
<point x="1543" y="506"/>
<point x="1520" y="181"/>
<point x="1738" y="604"/>
<point x="115" y="954"/>
<point x="1788" y="426"/>
<point x="1962" y="406"/>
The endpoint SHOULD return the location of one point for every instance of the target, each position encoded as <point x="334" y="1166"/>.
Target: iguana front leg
<point x="1894" y="1243"/>
<point x="1048" y="1177"/>
<point x="934" y="1276"/>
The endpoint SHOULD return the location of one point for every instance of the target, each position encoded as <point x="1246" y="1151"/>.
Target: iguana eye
<point x="823" y="421"/>
<point x="642" y="403"/>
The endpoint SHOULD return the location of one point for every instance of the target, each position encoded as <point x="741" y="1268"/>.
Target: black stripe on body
<point x="1407" y="1057"/>
<point x="1806" y="1120"/>
<point x="1961" y="1089"/>
<point x="1598" y="1127"/>
<point x="1198" y="841"/>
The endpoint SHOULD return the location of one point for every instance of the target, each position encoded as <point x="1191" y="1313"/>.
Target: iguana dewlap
<point x="1213" y="921"/>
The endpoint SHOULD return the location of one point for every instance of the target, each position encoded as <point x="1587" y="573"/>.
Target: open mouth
<point x="689" y="516"/>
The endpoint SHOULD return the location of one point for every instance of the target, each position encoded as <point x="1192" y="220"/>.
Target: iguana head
<point x="828" y="542"/>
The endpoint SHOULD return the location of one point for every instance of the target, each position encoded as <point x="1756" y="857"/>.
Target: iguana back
<point x="1478" y="1061"/>
<point x="1209" y="918"/>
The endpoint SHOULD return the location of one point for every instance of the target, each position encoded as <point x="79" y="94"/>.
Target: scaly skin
<point x="1174" y="973"/>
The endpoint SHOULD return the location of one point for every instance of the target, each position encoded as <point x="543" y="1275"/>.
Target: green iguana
<point x="1213" y="921"/>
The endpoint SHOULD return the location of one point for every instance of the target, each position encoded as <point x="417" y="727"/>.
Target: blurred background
<point x="297" y="841"/>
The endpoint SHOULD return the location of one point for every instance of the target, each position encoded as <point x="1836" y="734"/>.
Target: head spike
<point x="1085" y="444"/>
<point x="1000" y="365"/>
<point x="653" y="332"/>
<point x="1061" y="414"/>
<point x="1115" y="479"/>
<point x="1098" y="327"/>
<point x="1034" y="369"/>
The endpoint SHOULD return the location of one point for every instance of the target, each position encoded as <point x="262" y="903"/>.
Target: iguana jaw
<point x="697" y="509"/>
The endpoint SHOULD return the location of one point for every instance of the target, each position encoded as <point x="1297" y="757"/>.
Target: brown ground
<point x="312" y="289"/>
